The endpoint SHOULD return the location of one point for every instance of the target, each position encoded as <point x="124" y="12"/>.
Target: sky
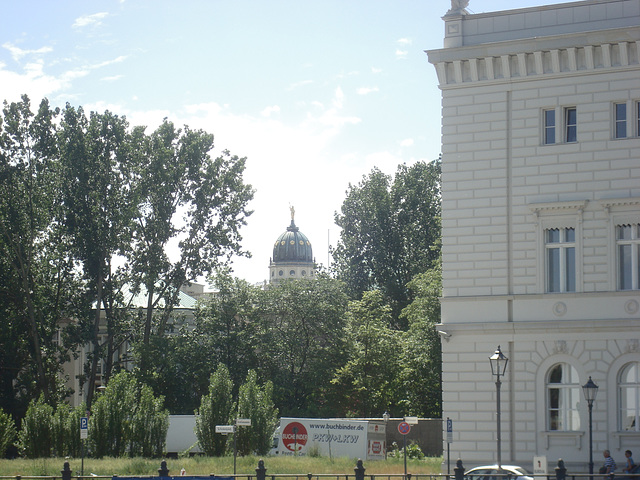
<point x="314" y="93"/>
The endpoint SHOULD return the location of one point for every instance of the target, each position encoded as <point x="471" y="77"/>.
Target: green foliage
<point x="126" y="418"/>
<point x="413" y="451"/>
<point x="35" y="439"/>
<point x="301" y="342"/>
<point x="390" y="233"/>
<point x="215" y="409"/>
<point x="7" y="432"/>
<point x="368" y="380"/>
<point x="421" y="352"/>
<point x="256" y="403"/>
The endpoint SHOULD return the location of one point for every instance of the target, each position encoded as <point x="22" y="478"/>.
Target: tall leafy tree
<point x="390" y="232"/>
<point x="301" y="342"/>
<point x="368" y="381"/>
<point x="225" y="328"/>
<point x="185" y="196"/>
<point x="37" y="282"/>
<point x="421" y="356"/>
<point x="99" y="174"/>
<point x="256" y="403"/>
<point x="215" y="409"/>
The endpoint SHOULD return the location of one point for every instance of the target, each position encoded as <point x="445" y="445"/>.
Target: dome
<point x="292" y="246"/>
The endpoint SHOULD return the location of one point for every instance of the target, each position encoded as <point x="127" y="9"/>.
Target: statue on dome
<point x="293" y="212"/>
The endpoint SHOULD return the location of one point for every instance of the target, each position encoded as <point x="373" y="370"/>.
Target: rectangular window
<point x="571" y="125"/>
<point x="620" y="111"/>
<point x="560" y="245"/>
<point x="549" y="127"/>
<point x="628" y="250"/>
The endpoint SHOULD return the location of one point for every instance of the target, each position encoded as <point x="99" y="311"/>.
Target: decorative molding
<point x="560" y="346"/>
<point x="631" y="307"/>
<point x="609" y="203"/>
<point x="559" y="309"/>
<point x="633" y="345"/>
<point x="570" y="60"/>
<point x="576" y="206"/>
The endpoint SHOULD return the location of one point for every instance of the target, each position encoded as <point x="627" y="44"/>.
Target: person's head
<point x="606" y="453"/>
<point x="627" y="453"/>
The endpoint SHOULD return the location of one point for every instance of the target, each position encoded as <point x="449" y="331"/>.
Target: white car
<point x="490" y="472"/>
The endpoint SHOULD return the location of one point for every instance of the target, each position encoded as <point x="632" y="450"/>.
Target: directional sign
<point x="84" y="427"/>
<point x="225" y="429"/>
<point x="243" y="422"/>
<point x="404" y="428"/>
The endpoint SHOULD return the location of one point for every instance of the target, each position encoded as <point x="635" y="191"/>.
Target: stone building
<point x="541" y="229"/>
<point x="292" y="255"/>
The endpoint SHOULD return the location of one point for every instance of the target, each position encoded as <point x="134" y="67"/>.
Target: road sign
<point x="449" y="430"/>
<point x="225" y="429"/>
<point x="404" y="428"/>
<point x="411" y="420"/>
<point x="243" y="422"/>
<point x="84" y="427"/>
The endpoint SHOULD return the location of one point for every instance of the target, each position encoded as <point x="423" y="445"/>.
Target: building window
<point x="570" y="125"/>
<point x="549" y="127"/>
<point x="628" y="252"/>
<point x="560" y="246"/>
<point x="563" y="398"/>
<point x="629" y="397"/>
<point x="620" y="113"/>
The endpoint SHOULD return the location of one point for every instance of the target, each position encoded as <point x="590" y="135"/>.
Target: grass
<point x="217" y="466"/>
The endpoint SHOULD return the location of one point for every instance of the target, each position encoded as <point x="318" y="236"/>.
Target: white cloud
<point x="112" y="78"/>
<point x="302" y="83"/>
<point x="366" y="90"/>
<point x="89" y="20"/>
<point x="17" y="53"/>
<point x="401" y="53"/>
<point x="407" y="142"/>
<point x="376" y="70"/>
<point x="267" y="112"/>
<point x="404" y="41"/>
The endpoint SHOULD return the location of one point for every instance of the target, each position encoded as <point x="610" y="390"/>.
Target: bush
<point x="36" y="435"/>
<point x="127" y="418"/>
<point x="413" y="451"/>
<point x="215" y="409"/>
<point x="7" y="432"/>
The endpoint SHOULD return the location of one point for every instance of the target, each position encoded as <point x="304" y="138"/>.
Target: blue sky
<point x="314" y="93"/>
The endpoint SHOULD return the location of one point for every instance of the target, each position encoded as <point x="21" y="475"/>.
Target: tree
<point x="128" y="418"/>
<point x="422" y="350"/>
<point x="225" y="328"/>
<point x="7" y="432"/>
<point x="256" y="403"/>
<point x="99" y="175"/>
<point x="35" y="438"/>
<point x="215" y="409"/>
<point x="37" y="279"/>
<point x="368" y="382"/>
<point x="390" y="232"/>
<point x="178" y="178"/>
<point x="301" y="342"/>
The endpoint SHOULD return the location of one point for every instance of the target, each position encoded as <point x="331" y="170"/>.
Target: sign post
<point x="84" y="433"/>
<point x="449" y="442"/>
<point x="404" y="428"/>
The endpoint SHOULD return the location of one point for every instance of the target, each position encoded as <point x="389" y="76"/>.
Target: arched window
<point x="629" y="397"/>
<point x="563" y="397"/>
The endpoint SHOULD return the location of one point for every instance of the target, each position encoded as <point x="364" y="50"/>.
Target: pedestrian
<point x="630" y="464"/>
<point x="609" y="466"/>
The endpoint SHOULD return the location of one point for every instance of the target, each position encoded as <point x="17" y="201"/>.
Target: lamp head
<point x="498" y="363"/>
<point x="590" y="391"/>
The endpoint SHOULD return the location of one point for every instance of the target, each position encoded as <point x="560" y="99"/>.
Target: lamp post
<point x="385" y="417"/>
<point x="498" y="368"/>
<point x="590" y="391"/>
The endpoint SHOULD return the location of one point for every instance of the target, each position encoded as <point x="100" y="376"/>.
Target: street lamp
<point x="385" y="417"/>
<point x="498" y="368"/>
<point x="590" y="391"/>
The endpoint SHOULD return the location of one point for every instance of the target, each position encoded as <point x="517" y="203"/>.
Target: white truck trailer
<point x="364" y="439"/>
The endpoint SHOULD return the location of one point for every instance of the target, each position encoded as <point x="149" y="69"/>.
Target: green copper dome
<point x="292" y="246"/>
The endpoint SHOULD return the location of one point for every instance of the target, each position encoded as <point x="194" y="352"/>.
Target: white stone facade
<point x="534" y="144"/>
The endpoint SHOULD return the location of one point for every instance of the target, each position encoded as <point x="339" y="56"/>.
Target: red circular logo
<point x="294" y="436"/>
